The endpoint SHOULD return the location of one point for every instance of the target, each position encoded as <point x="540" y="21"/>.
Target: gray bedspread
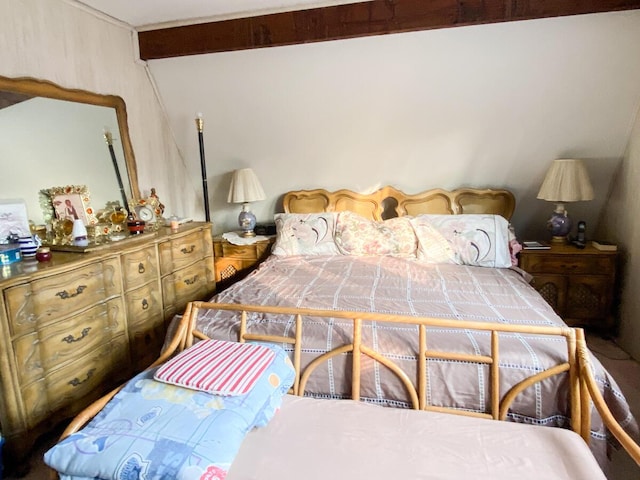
<point x="405" y="286"/>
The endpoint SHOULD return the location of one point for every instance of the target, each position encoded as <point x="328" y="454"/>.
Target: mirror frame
<point x="45" y="88"/>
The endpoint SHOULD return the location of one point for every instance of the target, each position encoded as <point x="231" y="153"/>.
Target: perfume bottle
<point x="118" y="218"/>
<point x="79" y="233"/>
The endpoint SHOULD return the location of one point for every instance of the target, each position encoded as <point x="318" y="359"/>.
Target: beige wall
<point x="488" y="105"/>
<point x="57" y="41"/>
<point x="621" y="224"/>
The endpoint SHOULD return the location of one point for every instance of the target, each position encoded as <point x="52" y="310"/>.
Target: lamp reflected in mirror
<point x="567" y="180"/>
<point x="245" y="188"/>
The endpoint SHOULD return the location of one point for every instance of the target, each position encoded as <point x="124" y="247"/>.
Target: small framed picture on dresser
<point x="13" y="219"/>
<point x="71" y="202"/>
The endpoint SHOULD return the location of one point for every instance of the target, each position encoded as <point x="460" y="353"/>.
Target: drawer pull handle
<point x="145" y="304"/>
<point x="189" y="250"/>
<point x="76" y="381"/>
<point x="72" y="339"/>
<point x="141" y="268"/>
<point x="65" y="295"/>
<point x="191" y="281"/>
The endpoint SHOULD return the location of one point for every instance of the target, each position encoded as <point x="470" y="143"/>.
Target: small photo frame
<point x="13" y="219"/>
<point x="71" y="202"/>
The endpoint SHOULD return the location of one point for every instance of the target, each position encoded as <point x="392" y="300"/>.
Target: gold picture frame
<point x="68" y="202"/>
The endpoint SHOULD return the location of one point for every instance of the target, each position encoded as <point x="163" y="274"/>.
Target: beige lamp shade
<point x="567" y="180"/>
<point x="245" y="187"/>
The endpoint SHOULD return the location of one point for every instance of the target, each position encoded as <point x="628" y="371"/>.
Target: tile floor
<point x="625" y="370"/>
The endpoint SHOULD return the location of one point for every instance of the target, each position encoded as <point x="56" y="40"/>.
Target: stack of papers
<point x="535" y="246"/>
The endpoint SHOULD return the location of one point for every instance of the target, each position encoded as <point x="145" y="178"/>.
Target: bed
<point x="320" y="261"/>
<point x="302" y="437"/>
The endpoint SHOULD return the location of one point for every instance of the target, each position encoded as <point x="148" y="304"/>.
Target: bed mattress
<point x="343" y="439"/>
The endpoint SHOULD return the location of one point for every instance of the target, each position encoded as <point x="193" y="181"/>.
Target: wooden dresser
<point x="578" y="283"/>
<point x="75" y="327"/>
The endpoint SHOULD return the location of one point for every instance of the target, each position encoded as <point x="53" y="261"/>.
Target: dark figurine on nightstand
<point x="580" y="240"/>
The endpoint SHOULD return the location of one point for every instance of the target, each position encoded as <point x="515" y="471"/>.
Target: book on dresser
<point x="533" y="245"/>
<point x="604" y="246"/>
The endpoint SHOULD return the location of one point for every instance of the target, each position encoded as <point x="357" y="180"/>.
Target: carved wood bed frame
<point x="390" y="202"/>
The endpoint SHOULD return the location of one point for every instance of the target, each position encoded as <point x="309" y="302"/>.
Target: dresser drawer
<point x="139" y="267"/>
<point x="248" y="252"/>
<point x="146" y="341"/>
<point x="191" y="283"/>
<point x="44" y="301"/>
<point x="64" y="341"/>
<point x="569" y="264"/>
<point x="144" y="304"/>
<point x="68" y="389"/>
<point x="182" y="251"/>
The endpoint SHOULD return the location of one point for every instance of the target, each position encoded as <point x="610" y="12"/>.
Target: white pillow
<point x="305" y="234"/>
<point x="473" y="239"/>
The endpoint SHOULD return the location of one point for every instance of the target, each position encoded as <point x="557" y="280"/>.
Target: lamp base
<point x="559" y="225"/>
<point x="247" y="221"/>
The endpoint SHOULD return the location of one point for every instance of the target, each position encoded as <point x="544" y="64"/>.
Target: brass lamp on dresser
<point x="578" y="283"/>
<point x="75" y="327"/>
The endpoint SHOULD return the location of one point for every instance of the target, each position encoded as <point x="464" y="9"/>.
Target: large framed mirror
<point x="54" y="136"/>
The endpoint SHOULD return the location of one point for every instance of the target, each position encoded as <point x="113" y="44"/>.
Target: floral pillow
<point x="356" y="235"/>
<point x="305" y="234"/>
<point x="514" y="246"/>
<point x="471" y="239"/>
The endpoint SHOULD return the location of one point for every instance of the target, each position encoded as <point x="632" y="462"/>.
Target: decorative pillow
<point x="433" y="247"/>
<point x="217" y="366"/>
<point x="474" y="239"/>
<point x="305" y="234"/>
<point x="356" y="235"/>
<point x="152" y="429"/>
<point x="514" y="246"/>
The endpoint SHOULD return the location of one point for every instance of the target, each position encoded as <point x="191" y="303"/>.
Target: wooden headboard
<point x="390" y="202"/>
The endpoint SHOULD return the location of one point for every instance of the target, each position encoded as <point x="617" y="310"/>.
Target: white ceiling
<point x="146" y="14"/>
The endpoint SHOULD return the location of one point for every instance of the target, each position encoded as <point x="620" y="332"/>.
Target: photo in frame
<point x="69" y="202"/>
<point x="13" y="219"/>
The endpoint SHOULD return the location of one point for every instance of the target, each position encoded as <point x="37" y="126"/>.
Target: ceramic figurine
<point x="29" y="245"/>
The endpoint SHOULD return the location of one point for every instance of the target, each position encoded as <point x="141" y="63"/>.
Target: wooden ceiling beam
<point x="377" y="17"/>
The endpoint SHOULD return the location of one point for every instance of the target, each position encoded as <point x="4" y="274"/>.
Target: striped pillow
<point x="218" y="367"/>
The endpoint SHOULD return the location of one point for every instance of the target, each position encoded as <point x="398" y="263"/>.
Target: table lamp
<point x="245" y="187"/>
<point x="567" y="180"/>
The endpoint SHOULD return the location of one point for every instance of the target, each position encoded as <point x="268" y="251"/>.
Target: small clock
<point x="146" y="213"/>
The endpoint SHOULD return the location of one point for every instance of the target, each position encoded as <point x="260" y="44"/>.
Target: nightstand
<point x="578" y="283"/>
<point x="234" y="262"/>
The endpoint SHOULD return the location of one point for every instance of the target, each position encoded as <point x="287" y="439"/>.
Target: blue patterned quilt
<point x="153" y="430"/>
